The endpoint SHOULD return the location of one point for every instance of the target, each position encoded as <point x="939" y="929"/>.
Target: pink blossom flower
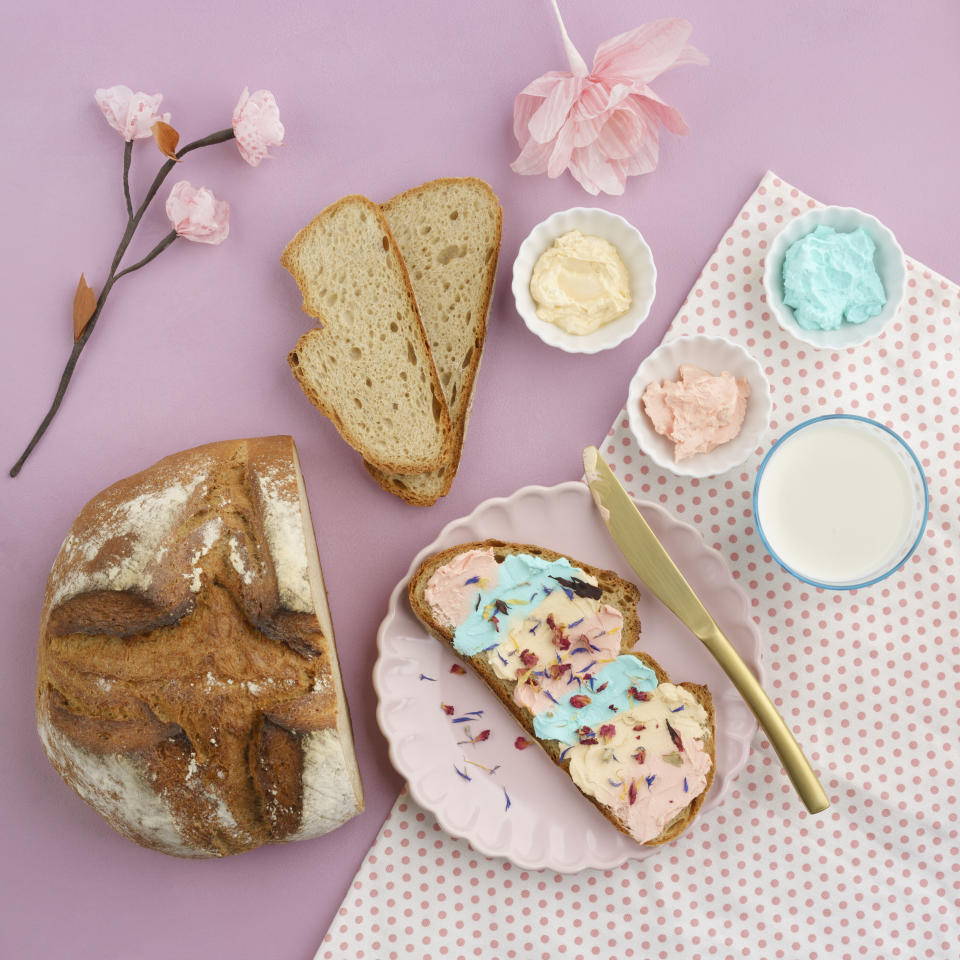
<point x="129" y="113"/>
<point x="603" y="125"/>
<point x="256" y="125"/>
<point x="197" y="215"/>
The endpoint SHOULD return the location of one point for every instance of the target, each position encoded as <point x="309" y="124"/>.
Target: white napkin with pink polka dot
<point x="868" y="679"/>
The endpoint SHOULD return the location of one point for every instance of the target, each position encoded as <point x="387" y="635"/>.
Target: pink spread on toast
<point x="453" y="588"/>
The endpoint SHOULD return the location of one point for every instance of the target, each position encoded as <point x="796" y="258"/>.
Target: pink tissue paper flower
<point x="256" y="125"/>
<point x="603" y="125"/>
<point x="129" y="113"/>
<point x="197" y="215"/>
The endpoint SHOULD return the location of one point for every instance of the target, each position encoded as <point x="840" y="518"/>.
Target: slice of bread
<point x="616" y="592"/>
<point x="448" y="232"/>
<point x="368" y="368"/>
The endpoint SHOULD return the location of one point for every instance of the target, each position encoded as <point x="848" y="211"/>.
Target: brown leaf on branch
<point x="167" y="139"/>
<point x="84" y="303"/>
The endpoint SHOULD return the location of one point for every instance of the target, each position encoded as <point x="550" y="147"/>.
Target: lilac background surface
<point x="854" y="102"/>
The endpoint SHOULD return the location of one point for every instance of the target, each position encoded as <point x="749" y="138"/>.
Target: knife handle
<point x="787" y="749"/>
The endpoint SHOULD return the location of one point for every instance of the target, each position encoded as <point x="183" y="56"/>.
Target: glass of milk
<point x="840" y="501"/>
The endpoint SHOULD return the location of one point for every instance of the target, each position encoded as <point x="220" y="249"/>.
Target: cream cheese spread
<point x="580" y="283"/>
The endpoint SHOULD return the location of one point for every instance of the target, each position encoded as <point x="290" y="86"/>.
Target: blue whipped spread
<point x="829" y="278"/>
<point x="522" y="583"/>
<point x="615" y="685"/>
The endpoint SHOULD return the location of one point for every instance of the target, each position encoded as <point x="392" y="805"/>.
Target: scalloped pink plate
<point x="548" y="823"/>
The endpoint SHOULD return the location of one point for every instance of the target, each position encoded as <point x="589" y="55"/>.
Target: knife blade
<point x="651" y="562"/>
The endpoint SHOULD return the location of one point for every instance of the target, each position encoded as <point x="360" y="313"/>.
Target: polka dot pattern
<point x="867" y="679"/>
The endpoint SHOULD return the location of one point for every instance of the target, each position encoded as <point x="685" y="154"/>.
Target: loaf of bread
<point x="187" y="681"/>
<point x="368" y="368"/>
<point x="448" y="232"/>
<point x="554" y="639"/>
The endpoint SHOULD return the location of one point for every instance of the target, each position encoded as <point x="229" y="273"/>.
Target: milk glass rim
<point x="902" y="560"/>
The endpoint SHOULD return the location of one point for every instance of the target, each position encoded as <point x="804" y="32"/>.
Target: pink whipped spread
<point x="699" y="411"/>
<point x="453" y="588"/>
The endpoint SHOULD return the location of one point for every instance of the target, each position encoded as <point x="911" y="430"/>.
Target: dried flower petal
<point x="556" y="670"/>
<point x="580" y="588"/>
<point x="675" y="737"/>
<point x="579" y="700"/>
<point x="447" y="709"/>
<point x="528" y="658"/>
<point x="521" y="743"/>
<point x="632" y="793"/>
<point x="607" y="730"/>
<point x="456" y="668"/>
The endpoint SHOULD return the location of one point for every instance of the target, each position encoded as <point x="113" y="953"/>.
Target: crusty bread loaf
<point x="448" y="232"/>
<point x="187" y="680"/>
<point x="369" y="367"/>
<point x="618" y="593"/>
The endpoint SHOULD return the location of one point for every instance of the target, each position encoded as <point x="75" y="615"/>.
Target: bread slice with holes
<point x="368" y="368"/>
<point x="441" y="585"/>
<point x="448" y="232"/>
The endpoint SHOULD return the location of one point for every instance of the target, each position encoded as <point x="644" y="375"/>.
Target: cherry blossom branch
<point x="132" y="223"/>
<point x="155" y="252"/>
<point x="195" y="214"/>
<point x="127" y="155"/>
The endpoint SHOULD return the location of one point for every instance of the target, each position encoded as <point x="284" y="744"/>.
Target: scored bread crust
<point x="423" y="490"/>
<point x="617" y="592"/>
<point x="187" y="679"/>
<point x="312" y="306"/>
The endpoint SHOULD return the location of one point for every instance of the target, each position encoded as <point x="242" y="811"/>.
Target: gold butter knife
<point x="644" y="552"/>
